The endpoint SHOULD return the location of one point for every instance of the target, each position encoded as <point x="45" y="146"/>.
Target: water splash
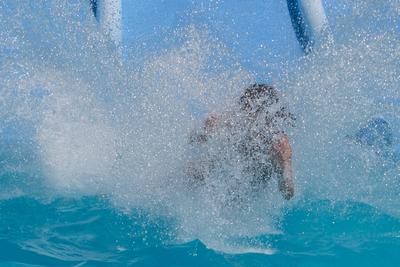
<point x="335" y="92"/>
<point x="78" y="123"/>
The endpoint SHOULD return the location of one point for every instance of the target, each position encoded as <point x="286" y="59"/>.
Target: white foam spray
<point x="98" y="129"/>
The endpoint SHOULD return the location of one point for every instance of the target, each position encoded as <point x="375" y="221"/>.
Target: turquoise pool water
<point x="91" y="232"/>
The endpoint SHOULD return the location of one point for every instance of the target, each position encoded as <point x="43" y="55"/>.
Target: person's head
<point x="258" y="97"/>
<point x="262" y="99"/>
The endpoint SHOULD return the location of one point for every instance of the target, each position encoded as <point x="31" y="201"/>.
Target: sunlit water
<point x="93" y="148"/>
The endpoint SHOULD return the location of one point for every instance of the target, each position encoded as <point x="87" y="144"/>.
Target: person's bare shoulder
<point x="215" y="120"/>
<point x="212" y="121"/>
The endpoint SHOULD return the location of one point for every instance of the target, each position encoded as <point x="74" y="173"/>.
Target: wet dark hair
<point x="266" y="93"/>
<point x="262" y="97"/>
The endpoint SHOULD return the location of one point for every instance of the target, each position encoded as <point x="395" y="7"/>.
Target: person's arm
<point x="200" y="136"/>
<point x="283" y="153"/>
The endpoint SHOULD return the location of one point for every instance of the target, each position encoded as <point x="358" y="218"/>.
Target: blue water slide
<point x="305" y="19"/>
<point x="308" y="19"/>
<point x="309" y="22"/>
<point x="109" y="15"/>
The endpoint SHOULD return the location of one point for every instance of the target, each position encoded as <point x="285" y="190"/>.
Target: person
<point x="380" y="134"/>
<point x="253" y="128"/>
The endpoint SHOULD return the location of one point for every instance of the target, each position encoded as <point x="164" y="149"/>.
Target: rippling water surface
<point x="91" y="232"/>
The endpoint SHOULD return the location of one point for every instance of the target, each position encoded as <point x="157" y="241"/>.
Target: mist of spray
<point x="78" y="123"/>
<point x="334" y="92"/>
